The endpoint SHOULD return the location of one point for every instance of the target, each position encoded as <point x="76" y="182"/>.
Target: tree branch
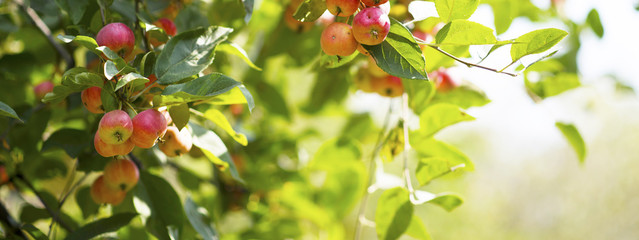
<point x="47" y="33"/>
<point x="468" y="64"/>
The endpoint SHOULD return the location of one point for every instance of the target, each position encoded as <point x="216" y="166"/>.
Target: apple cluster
<point x="119" y="176"/>
<point x="370" y="26"/>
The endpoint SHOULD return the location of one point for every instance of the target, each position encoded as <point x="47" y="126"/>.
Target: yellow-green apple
<point x="375" y="70"/>
<point x="175" y="142"/>
<point x="110" y="150"/>
<point x="101" y="193"/>
<point x="115" y="127"/>
<point x="121" y="174"/>
<point x="92" y="100"/>
<point x="342" y="8"/>
<point x="118" y="37"/>
<point x="371" y="26"/>
<point x="148" y="126"/>
<point x="42" y="89"/>
<point x="337" y="39"/>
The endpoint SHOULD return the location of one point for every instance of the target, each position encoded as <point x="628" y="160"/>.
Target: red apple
<point x="371" y="3"/>
<point x="167" y="25"/>
<point x="175" y="142"/>
<point x="91" y="99"/>
<point x="337" y="39"/>
<point x="110" y="150"/>
<point x="115" y="127"/>
<point x="390" y="86"/>
<point x="342" y="8"/>
<point x="443" y="81"/>
<point x="3" y="175"/>
<point x="148" y="126"/>
<point x="386" y="7"/>
<point x="118" y="37"/>
<point x="101" y="193"/>
<point x="42" y="89"/>
<point x="370" y="26"/>
<point x="121" y="174"/>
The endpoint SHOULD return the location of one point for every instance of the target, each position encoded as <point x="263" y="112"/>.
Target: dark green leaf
<point x="73" y="80"/>
<point x="188" y="179"/>
<point x="34" y="232"/>
<point x="75" y="8"/>
<point x="188" y="53"/>
<point x="73" y="141"/>
<point x="109" y="100"/>
<point x="393" y="214"/>
<point x="161" y="199"/>
<point x="180" y="115"/>
<point x="574" y="137"/>
<point x="399" y="55"/>
<point x="104" y="225"/>
<point x="440" y="116"/>
<point x="85" y="202"/>
<point x="310" y="10"/>
<point x="449" y="10"/>
<point x="536" y="41"/>
<point x="7" y="111"/>
<point x="463" y="32"/>
<point x="197" y="220"/>
<point x="214" y="149"/>
<point x="234" y="49"/>
<point x="595" y="23"/>
<point x="148" y="61"/>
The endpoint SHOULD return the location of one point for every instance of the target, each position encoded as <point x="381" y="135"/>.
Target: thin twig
<point x="468" y="64"/>
<point x="371" y="174"/>
<point x="47" y="32"/>
<point x="54" y="215"/>
<point x="72" y="190"/>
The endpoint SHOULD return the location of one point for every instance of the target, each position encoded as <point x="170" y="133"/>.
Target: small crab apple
<point x="443" y="81"/>
<point x="115" y="127"/>
<point x="337" y="39"/>
<point x="42" y="89"/>
<point x="101" y="193"/>
<point x="342" y="8"/>
<point x="371" y="26"/>
<point x="3" y="175"/>
<point x="375" y="70"/>
<point x="118" y="37"/>
<point x="121" y="174"/>
<point x="110" y="150"/>
<point x="175" y="142"/>
<point x="390" y="86"/>
<point x="91" y="99"/>
<point x="294" y="24"/>
<point x="167" y="25"/>
<point x="148" y="126"/>
<point x="371" y="3"/>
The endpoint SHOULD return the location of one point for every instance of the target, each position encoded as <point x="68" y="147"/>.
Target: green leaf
<point x="465" y="96"/>
<point x="72" y="141"/>
<point x="439" y="116"/>
<point x="334" y="61"/>
<point x="34" y="232"/>
<point x="536" y="41"/>
<point x="7" y="111"/>
<point x="553" y="85"/>
<point x="574" y="137"/>
<point x="463" y="33"/>
<point x="448" y="201"/>
<point x="399" y="55"/>
<point x="393" y="214"/>
<point x="161" y="199"/>
<point x="73" y="80"/>
<point x="104" y="225"/>
<point x="214" y="149"/>
<point x="85" y="202"/>
<point x="197" y="220"/>
<point x="234" y="49"/>
<point x="430" y="168"/>
<point x="180" y="115"/>
<point x="429" y="147"/>
<point x="110" y="70"/>
<point x="75" y="8"/>
<point x="109" y="100"/>
<point x="449" y="10"/>
<point x="595" y="23"/>
<point x="133" y="79"/>
<point x="238" y="95"/>
<point x="220" y="120"/>
<point x="248" y="9"/>
<point x="188" y="53"/>
<point x="329" y="86"/>
<point x="147" y="63"/>
<point x="310" y="10"/>
<point x="202" y="88"/>
<point x="436" y="59"/>
<point x="417" y="230"/>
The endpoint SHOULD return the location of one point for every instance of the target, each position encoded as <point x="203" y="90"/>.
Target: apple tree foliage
<point x="256" y="97"/>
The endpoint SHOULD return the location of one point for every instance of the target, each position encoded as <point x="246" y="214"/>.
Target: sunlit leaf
<point x="393" y="213"/>
<point x="220" y="120"/>
<point x="234" y="49"/>
<point x="536" y="41"/>
<point x="180" y="115"/>
<point x="7" y="111"/>
<point x="449" y="10"/>
<point x="463" y="32"/>
<point x="417" y="229"/>
<point x="310" y="10"/>
<point x="429" y="147"/>
<point x="574" y="138"/>
<point x="595" y="23"/>
<point x="214" y="149"/>
<point x="104" y="225"/>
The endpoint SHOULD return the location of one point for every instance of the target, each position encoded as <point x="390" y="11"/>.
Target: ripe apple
<point x="236" y="109"/>
<point x="390" y="86"/>
<point x="386" y="7"/>
<point x="3" y="175"/>
<point x="118" y="37"/>
<point x="337" y="39"/>
<point x="342" y="8"/>
<point x="121" y="174"/>
<point x="115" y="127"/>
<point x="148" y="126"/>
<point x="175" y="142"/>
<point x="110" y="150"/>
<point x="375" y="70"/>
<point x="293" y="24"/>
<point x="92" y="100"/>
<point x="101" y="193"/>
<point x="443" y="81"/>
<point x="370" y="26"/>
<point x="167" y="25"/>
<point x="42" y="89"/>
<point x="371" y="3"/>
